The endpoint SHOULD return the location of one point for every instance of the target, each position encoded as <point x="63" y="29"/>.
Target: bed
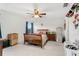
<point x="36" y="38"/>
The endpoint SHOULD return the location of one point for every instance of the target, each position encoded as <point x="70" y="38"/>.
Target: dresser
<point x="51" y="36"/>
<point x="35" y="39"/>
<point x="13" y="37"/>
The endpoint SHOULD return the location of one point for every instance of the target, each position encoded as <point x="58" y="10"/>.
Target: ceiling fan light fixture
<point x="36" y="16"/>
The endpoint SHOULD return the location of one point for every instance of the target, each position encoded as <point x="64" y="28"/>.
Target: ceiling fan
<point x="36" y="13"/>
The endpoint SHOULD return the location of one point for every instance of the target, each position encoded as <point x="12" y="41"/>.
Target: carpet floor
<point x="50" y="49"/>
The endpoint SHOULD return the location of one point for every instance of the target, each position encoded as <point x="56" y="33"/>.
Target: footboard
<point x="33" y="39"/>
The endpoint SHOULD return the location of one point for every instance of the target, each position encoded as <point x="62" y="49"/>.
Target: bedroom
<point x="13" y="18"/>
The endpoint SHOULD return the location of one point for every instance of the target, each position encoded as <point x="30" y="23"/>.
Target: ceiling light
<point x="36" y="16"/>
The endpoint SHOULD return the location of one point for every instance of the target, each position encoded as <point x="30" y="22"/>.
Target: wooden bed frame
<point x="33" y="39"/>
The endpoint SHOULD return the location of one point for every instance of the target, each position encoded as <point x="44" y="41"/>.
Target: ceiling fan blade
<point x="29" y="13"/>
<point x="29" y="10"/>
<point x="40" y="16"/>
<point x="42" y="13"/>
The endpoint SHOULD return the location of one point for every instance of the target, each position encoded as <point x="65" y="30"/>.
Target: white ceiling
<point x="51" y="8"/>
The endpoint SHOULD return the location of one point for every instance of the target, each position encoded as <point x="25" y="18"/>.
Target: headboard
<point x="42" y="31"/>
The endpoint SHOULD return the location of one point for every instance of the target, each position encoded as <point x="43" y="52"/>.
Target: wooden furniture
<point x="13" y="37"/>
<point x="33" y="39"/>
<point x="6" y="43"/>
<point x="42" y="31"/>
<point x="1" y="46"/>
<point x="51" y="36"/>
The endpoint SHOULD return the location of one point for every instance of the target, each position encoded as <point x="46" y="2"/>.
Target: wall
<point x="1" y="5"/>
<point x="12" y="23"/>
